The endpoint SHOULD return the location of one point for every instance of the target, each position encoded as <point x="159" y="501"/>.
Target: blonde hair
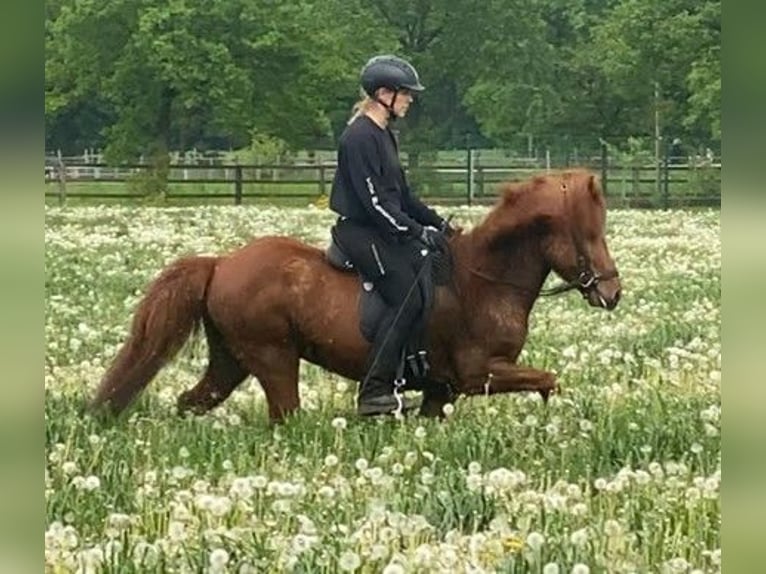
<point x="361" y="106"/>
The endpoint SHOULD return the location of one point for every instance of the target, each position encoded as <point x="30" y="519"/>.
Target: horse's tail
<point x="165" y="317"/>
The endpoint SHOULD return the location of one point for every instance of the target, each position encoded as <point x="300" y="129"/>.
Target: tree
<point x="648" y="49"/>
<point x="175" y="73"/>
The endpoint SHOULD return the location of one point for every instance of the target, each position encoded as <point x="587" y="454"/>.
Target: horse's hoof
<point x="546" y="393"/>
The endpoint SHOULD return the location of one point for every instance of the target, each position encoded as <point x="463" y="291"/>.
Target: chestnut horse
<point x="276" y="301"/>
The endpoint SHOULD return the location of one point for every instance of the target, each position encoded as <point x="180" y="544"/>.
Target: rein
<point x="586" y="279"/>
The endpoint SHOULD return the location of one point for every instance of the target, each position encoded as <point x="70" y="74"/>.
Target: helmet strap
<point x="389" y="107"/>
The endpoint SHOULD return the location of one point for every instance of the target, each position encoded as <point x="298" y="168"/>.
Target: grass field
<point x="619" y="473"/>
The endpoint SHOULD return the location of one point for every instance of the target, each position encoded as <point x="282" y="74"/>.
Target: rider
<point x="383" y="227"/>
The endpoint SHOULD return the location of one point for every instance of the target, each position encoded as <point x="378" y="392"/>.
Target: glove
<point x="446" y="228"/>
<point x="434" y="239"/>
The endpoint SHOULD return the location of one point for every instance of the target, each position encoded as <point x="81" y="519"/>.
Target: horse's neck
<point x="515" y="273"/>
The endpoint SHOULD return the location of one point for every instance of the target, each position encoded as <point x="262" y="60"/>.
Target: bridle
<point x="586" y="279"/>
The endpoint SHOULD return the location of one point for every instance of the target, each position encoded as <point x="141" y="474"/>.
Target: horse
<point x="276" y="300"/>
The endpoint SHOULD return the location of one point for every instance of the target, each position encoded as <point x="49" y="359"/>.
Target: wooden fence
<point x="627" y="185"/>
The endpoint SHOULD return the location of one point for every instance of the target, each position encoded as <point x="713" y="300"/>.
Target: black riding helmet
<point x="390" y="72"/>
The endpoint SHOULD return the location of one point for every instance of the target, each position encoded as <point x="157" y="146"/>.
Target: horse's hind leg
<point x="276" y="368"/>
<point x="224" y="374"/>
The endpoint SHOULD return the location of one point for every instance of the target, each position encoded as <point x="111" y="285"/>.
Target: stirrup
<point x="398" y="384"/>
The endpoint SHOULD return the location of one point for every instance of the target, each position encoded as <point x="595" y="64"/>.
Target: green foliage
<point x="144" y="76"/>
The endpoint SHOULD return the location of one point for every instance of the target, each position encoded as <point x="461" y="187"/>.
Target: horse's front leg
<point x="506" y="377"/>
<point x="435" y="396"/>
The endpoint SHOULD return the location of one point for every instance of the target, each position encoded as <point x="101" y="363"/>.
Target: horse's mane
<point x="522" y="203"/>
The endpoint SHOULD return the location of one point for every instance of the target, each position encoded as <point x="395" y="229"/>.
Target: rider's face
<point x="402" y="102"/>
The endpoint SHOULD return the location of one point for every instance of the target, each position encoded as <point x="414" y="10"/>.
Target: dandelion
<point x="646" y="450"/>
<point x="473" y="482"/>
<point x="696" y="448"/>
<point x="579" y="509"/>
<point x="420" y="432"/>
<point x="330" y="460"/>
<point x="241" y="488"/>
<point x="341" y="386"/>
<point x="580" y="568"/>
<point x="176" y="531"/>
<point x="326" y="491"/>
<point x="145" y="555"/>
<point x="600" y="484"/>
<point x="474" y="467"/>
<point x="448" y="409"/>
<point x="579" y="537"/>
<point x="349" y="561"/>
<point x="220" y="506"/>
<point x="677" y="565"/>
<point x="92" y="483"/>
<point x="118" y="521"/>
<point x="393" y="568"/>
<point x="91" y="559"/>
<point x="218" y="559"/>
<point x="378" y="552"/>
<point x="361" y="464"/>
<point x="535" y="540"/>
<point x="612" y="528"/>
<point x="339" y="423"/>
<point x="551" y="568"/>
<point x="410" y="458"/>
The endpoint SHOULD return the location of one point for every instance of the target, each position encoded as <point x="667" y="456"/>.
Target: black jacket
<point x="370" y="186"/>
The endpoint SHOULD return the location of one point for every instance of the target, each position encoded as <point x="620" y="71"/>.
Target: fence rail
<point x="626" y="185"/>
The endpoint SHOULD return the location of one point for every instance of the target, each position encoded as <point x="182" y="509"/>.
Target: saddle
<point x="372" y="307"/>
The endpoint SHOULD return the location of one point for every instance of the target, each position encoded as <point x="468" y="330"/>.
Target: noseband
<point x="586" y="279"/>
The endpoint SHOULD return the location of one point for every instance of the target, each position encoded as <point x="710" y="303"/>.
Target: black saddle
<point x="372" y="307"/>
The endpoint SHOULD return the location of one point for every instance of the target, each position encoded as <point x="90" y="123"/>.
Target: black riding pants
<point x="392" y="267"/>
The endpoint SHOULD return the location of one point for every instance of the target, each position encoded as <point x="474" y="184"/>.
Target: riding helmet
<point x="392" y="72"/>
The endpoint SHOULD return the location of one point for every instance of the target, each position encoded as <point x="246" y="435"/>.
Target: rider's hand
<point x="446" y="228"/>
<point x="434" y="239"/>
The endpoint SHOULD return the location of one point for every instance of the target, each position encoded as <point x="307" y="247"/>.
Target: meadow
<point x="619" y="473"/>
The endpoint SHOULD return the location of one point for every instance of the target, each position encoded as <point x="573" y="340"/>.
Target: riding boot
<point x="384" y="404"/>
<point x="376" y="397"/>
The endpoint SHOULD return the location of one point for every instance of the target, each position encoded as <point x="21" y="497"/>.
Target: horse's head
<point x="575" y="245"/>
<point x="563" y="216"/>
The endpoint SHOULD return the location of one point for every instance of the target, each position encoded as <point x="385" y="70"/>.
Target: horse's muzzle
<point x="604" y="294"/>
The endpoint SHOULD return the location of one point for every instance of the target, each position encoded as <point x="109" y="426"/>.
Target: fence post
<point x="322" y="182"/>
<point x="469" y="169"/>
<point x="604" y="166"/>
<point x="238" y="185"/>
<point x="666" y="178"/>
<point x="61" y="172"/>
